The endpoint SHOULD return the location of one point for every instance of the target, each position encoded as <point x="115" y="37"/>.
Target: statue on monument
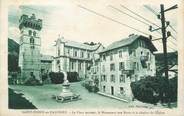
<point x="65" y="77"/>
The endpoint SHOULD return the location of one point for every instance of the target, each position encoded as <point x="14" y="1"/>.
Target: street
<point x="40" y="96"/>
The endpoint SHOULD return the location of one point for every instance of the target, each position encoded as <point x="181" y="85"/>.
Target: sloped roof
<point x="81" y="45"/>
<point x="128" y="41"/>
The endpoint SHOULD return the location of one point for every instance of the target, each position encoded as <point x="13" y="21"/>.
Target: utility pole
<point x="164" y="40"/>
<point x="165" y="35"/>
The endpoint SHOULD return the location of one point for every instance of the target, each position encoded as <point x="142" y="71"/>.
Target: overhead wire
<point x="111" y="19"/>
<point x="108" y="19"/>
<point x="139" y="15"/>
<point x="156" y="13"/>
<point x="129" y="15"/>
<point x="133" y="16"/>
<point x="136" y="18"/>
<point x="147" y="19"/>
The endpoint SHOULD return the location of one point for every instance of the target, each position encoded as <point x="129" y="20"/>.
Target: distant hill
<point x="170" y="55"/>
<point x="13" y="55"/>
<point x="13" y="46"/>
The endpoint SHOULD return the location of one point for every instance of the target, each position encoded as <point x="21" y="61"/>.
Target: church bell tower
<point x="30" y="43"/>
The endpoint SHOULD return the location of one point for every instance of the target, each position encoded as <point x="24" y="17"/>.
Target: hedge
<point x="149" y="89"/>
<point x="44" y="77"/>
<point x="174" y="86"/>
<point x="58" y="77"/>
<point x="91" y="88"/>
<point x="73" y="76"/>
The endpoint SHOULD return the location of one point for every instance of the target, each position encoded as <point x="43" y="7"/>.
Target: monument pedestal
<point x="66" y="94"/>
<point x="66" y="90"/>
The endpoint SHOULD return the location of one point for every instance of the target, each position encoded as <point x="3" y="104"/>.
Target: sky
<point x="68" y="19"/>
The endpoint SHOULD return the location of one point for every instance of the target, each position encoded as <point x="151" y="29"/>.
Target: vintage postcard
<point x="92" y="57"/>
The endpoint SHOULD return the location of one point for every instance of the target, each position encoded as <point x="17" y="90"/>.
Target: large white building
<point x="73" y="56"/>
<point x="124" y="61"/>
